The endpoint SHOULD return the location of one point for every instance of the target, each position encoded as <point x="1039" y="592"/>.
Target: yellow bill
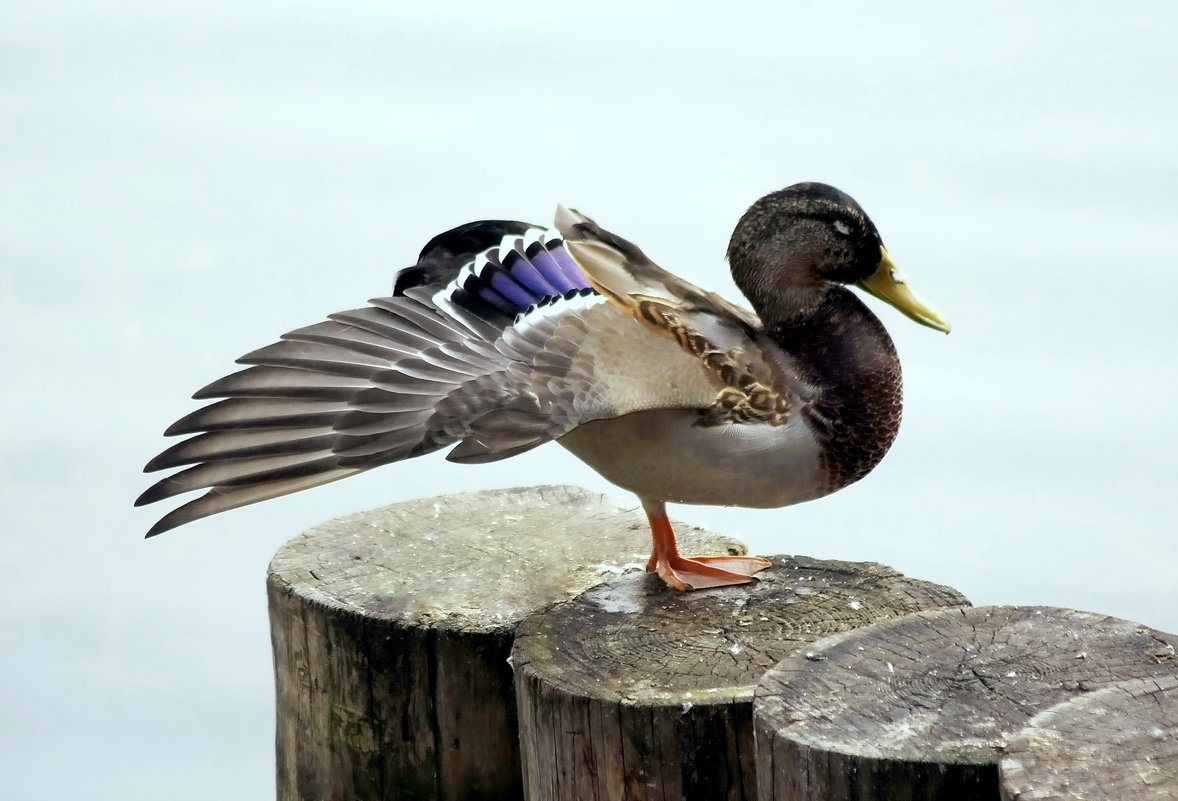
<point x="887" y="284"/>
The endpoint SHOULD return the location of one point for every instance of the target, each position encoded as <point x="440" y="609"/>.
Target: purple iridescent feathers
<point x="522" y="272"/>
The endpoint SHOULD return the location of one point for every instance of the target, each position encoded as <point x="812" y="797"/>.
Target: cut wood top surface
<point x="1117" y="743"/>
<point x="634" y="640"/>
<point x="479" y="561"/>
<point x="952" y="686"/>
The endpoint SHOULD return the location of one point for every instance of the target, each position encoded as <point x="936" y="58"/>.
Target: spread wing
<point x="490" y="348"/>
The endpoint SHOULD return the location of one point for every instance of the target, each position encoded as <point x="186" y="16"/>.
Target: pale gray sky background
<point x="181" y="182"/>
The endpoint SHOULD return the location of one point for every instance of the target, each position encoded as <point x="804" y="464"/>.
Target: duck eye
<point x="842" y="227"/>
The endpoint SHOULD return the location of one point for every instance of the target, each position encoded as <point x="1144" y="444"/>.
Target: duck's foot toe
<point x="705" y="572"/>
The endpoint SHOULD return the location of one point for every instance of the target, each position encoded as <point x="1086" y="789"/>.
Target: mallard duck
<point x="504" y="336"/>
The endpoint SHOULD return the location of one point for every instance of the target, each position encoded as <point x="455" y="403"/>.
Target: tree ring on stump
<point x="635" y="690"/>
<point x="930" y="700"/>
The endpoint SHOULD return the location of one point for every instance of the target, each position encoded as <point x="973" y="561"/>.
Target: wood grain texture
<point x="633" y="691"/>
<point x="1117" y="743"/>
<point x="920" y="707"/>
<point x="392" y="629"/>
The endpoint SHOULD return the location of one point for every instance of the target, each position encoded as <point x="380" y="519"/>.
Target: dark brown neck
<point x="840" y="348"/>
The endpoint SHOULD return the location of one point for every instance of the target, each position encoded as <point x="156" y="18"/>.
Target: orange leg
<point x="700" y="572"/>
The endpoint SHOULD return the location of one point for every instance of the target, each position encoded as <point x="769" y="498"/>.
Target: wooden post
<point x="634" y="691"/>
<point x="1117" y="743"/>
<point x="392" y="630"/>
<point x="920" y="707"/>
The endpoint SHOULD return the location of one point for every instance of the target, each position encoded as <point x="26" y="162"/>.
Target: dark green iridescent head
<point x="794" y="245"/>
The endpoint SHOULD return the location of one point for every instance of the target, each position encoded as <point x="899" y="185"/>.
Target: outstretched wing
<point x="497" y="353"/>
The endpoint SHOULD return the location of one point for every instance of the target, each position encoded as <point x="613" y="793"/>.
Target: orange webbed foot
<point x="704" y="572"/>
<point x="694" y="573"/>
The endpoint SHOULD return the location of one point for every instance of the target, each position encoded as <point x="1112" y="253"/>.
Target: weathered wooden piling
<point x="392" y="629"/>
<point x="920" y="707"/>
<point x="1113" y="744"/>
<point x="634" y="691"/>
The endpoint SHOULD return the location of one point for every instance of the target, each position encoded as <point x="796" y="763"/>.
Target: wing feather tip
<point x="157" y="463"/>
<point x="566" y="221"/>
<point x="179" y="516"/>
<point x="185" y="425"/>
<point x="170" y="457"/>
<point x="162" y="525"/>
<point x="156" y="492"/>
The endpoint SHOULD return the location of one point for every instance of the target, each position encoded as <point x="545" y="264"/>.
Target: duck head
<point x="793" y="246"/>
